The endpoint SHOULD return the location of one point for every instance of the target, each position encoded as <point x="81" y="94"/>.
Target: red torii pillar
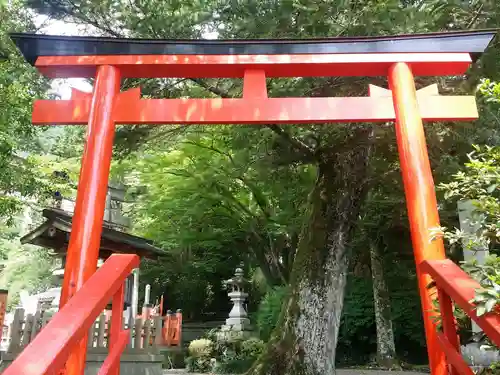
<point x="420" y="197"/>
<point x="106" y="107"/>
<point x="85" y="238"/>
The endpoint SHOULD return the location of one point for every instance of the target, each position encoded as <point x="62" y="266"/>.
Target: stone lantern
<point x="238" y="317"/>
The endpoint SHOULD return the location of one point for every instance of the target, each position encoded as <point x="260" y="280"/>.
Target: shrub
<point x="252" y="347"/>
<point x="200" y="348"/>
<point x="231" y="354"/>
<point x="200" y="356"/>
<point x="237" y="355"/>
<point x="201" y="364"/>
<point x="479" y="182"/>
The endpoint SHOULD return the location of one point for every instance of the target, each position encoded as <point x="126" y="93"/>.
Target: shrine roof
<point x="54" y="234"/>
<point x="474" y="42"/>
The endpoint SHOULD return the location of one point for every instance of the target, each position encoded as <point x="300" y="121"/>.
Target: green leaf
<point x="490" y="304"/>
<point x="492" y="188"/>
<point x="480" y="310"/>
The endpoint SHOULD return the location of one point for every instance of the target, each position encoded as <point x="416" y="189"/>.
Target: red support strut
<point x="116" y="331"/>
<point x="448" y="324"/>
<point x="83" y="248"/>
<point x="420" y="197"/>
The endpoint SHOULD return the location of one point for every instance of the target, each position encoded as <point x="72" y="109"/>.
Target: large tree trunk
<point x="305" y="339"/>
<point x="386" y="349"/>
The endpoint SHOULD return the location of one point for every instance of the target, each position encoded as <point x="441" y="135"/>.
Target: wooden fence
<point x="145" y="338"/>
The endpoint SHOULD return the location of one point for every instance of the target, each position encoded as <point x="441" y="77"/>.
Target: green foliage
<point x="200" y="356"/>
<point x="20" y="179"/>
<point x="492" y="369"/>
<point x="231" y="354"/>
<point x="193" y="282"/>
<point x="198" y="365"/>
<point x="407" y="319"/>
<point x="480" y="182"/>
<point x="357" y="336"/>
<point x="490" y="91"/>
<point x="252" y="347"/>
<point x="26" y="179"/>
<point x="237" y="356"/>
<point x="488" y="276"/>
<point x="210" y="201"/>
<point x="269" y="311"/>
<point x="23" y="267"/>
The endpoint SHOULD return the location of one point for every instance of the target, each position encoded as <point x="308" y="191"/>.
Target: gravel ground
<point x="339" y="372"/>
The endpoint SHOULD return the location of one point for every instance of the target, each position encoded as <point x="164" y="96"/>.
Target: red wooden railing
<point x="172" y="329"/>
<point x="455" y="286"/>
<point x="48" y="352"/>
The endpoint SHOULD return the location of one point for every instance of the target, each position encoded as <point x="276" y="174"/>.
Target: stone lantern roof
<point x="237" y="282"/>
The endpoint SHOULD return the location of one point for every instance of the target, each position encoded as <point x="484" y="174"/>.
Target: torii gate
<point x="399" y="58"/>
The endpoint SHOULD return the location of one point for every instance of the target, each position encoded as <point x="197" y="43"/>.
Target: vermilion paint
<point x="420" y="197"/>
<point x="462" y="288"/>
<point x="456" y="362"/>
<point x="116" y="343"/>
<point x="455" y="286"/>
<point x="234" y="66"/>
<point x="252" y="110"/>
<point x="3" y="308"/>
<point x="449" y="326"/>
<point x="48" y="351"/>
<point x="85" y="238"/>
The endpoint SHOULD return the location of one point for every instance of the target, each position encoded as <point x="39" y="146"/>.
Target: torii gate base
<point x="106" y="106"/>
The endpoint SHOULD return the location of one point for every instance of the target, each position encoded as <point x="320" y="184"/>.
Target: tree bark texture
<point x="305" y="339"/>
<point x="386" y="349"/>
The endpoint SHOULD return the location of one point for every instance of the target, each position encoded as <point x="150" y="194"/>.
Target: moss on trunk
<point x="305" y="339"/>
<point x="386" y="349"/>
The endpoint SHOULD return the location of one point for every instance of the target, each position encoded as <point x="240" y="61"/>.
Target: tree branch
<point x="295" y="142"/>
<point x="169" y="131"/>
<point x="214" y="90"/>
<point x="476" y="17"/>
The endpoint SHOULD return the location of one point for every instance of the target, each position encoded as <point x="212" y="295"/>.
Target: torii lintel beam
<point x="130" y="109"/>
<point x="229" y="66"/>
